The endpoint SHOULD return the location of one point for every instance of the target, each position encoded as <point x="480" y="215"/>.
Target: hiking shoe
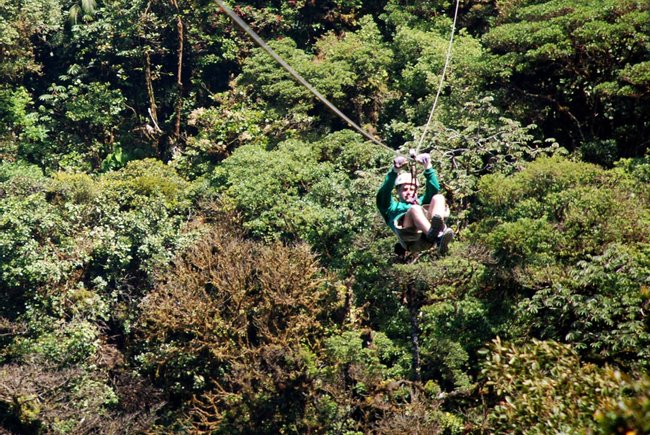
<point x="443" y="242"/>
<point x="437" y="225"/>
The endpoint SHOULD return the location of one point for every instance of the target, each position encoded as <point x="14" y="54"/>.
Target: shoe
<point x="437" y="225"/>
<point x="445" y="238"/>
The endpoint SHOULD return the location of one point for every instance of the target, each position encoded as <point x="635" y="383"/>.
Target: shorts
<point x="411" y="239"/>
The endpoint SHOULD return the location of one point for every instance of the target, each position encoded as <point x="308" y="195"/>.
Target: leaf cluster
<point x="544" y="386"/>
<point x="571" y="239"/>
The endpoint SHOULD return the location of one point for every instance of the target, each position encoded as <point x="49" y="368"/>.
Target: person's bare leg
<point x="436" y="213"/>
<point x="438" y="206"/>
<point x="416" y="217"/>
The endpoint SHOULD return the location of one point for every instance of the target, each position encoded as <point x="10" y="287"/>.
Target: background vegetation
<point x="189" y="241"/>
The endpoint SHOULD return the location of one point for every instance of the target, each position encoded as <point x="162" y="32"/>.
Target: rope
<point x="242" y="24"/>
<point x="414" y="177"/>
<point x="442" y="78"/>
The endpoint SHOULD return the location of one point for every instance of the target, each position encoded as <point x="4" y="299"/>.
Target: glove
<point x="424" y="159"/>
<point x="399" y="161"/>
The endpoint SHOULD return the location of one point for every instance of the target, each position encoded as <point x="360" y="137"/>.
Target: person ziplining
<point x="418" y="222"/>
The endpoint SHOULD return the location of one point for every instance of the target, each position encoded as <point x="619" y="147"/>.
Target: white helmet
<point x="405" y="178"/>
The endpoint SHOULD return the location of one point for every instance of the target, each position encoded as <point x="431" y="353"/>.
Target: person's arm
<point x="432" y="184"/>
<point x="385" y="193"/>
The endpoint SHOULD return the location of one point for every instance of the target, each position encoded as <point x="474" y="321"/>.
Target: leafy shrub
<point x="219" y="132"/>
<point x="351" y="71"/>
<point x="630" y="413"/>
<point x="363" y="386"/>
<point x="571" y="78"/>
<point x="447" y="302"/>
<point x="291" y="192"/>
<point x="287" y="100"/>
<point x="23" y="23"/>
<point x="571" y="241"/>
<point x="596" y="307"/>
<point x="544" y="387"/>
<point x="143" y="182"/>
<point x="39" y="398"/>
<point x="419" y="58"/>
<point x="120" y="223"/>
<point x="30" y="231"/>
<point x="82" y="120"/>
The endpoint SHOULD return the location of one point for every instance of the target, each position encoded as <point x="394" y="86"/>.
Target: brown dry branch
<point x="40" y="399"/>
<point x="242" y="313"/>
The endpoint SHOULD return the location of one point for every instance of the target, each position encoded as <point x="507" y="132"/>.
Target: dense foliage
<point x="189" y="241"/>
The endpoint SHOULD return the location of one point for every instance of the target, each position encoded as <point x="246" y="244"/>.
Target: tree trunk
<point x="174" y="139"/>
<point x="179" y="77"/>
<point x="153" y="109"/>
<point x="414" y="310"/>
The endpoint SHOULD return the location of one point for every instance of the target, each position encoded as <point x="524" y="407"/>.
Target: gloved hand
<point x="424" y="159"/>
<point x="398" y="162"/>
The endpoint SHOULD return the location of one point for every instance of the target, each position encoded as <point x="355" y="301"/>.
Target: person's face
<point x="406" y="192"/>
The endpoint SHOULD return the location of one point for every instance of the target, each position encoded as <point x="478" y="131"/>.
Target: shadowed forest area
<point x="189" y="241"/>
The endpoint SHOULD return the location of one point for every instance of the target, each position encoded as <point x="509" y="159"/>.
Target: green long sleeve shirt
<point x="392" y="209"/>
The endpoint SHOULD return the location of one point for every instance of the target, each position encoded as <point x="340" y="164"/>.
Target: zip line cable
<point x="242" y="24"/>
<point x="246" y="28"/>
<point x="442" y="78"/>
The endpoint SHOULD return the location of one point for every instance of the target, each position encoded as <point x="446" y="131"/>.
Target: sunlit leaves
<point x="543" y="386"/>
<point x="573" y="239"/>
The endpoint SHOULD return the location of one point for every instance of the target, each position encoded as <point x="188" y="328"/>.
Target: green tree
<point x="544" y="386"/>
<point x="366" y="59"/>
<point x="22" y="23"/>
<point x="20" y="126"/>
<point x="78" y="254"/>
<point x="82" y="121"/>
<point x="420" y="56"/>
<point x="305" y="191"/>
<point x="580" y="72"/>
<point x="570" y="241"/>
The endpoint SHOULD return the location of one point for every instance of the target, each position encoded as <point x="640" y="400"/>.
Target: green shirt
<point x="391" y="209"/>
